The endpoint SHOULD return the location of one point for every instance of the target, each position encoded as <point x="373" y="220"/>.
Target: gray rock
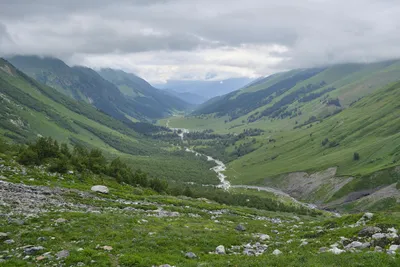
<point x="32" y="250"/>
<point x="378" y="236"/>
<point x="378" y="249"/>
<point x="368" y="215"/>
<point x="336" y="251"/>
<point x="366" y="245"/>
<point x="369" y="231"/>
<point x="62" y="254"/>
<point x="264" y="237"/>
<point x="277" y="252"/>
<point x="100" y="188"/>
<point x="220" y="249"/>
<point x="60" y="220"/>
<point x="323" y="249"/>
<point x="394" y="247"/>
<point x="42" y="238"/>
<point x="190" y="255"/>
<point x="9" y="241"/>
<point x="354" y="244"/>
<point x="240" y="228"/>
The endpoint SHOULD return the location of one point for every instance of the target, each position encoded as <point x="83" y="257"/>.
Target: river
<point x="221" y="167"/>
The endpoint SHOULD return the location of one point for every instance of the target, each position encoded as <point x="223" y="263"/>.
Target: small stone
<point x="80" y="264"/>
<point x="220" y="249"/>
<point x="277" y="252"/>
<point x="100" y="188"/>
<point x="79" y="249"/>
<point x="62" y="254"/>
<point x="323" y="249"/>
<point x="9" y="241"/>
<point x="304" y="243"/>
<point x="107" y="248"/>
<point x="40" y="258"/>
<point x="190" y="255"/>
<point x="394" y="247"/>
<point x="378" y="249"/>
<point x="42" y="238"/>
<point x="60" y="220"/>
<point x="240" y="228"/>
<point x="165" y="265"/>
<point x="32" y="250"/>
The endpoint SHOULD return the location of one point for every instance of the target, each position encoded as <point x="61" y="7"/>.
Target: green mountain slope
<point x="315" y="92"/>
<point x="86" y="85"/>
<point x="331" y="138"/>
<point x="30" y="109"/>
<point x="147" y="98"/>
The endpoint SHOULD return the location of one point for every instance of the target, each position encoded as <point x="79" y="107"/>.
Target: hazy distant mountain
<point x="189" y="97"/>
<point x="206" y="89"/>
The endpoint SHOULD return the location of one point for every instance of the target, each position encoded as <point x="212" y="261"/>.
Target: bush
<point x="59" y="165"/>
<point x="28" y="157"/>
<point x="356" y="156"/>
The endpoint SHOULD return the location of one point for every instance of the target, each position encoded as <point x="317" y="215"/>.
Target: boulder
<point x="368" y="215"/>
<point x="354" y="244"/>
<point x="190" y="255"/>
<point x="369" y="231"/>
<point x="100" y="188"/>
<point x="220" y="249"/>
<point x="32" y="250"/>
<point x="378" y="236"/>
<point x="336" y="250"/>
<point x="394" y="247"/>
<point x="264" y="237"/>
<point x="240" y="228"/>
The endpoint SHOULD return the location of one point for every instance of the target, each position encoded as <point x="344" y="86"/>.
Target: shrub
<point x="28" y="157"/>
<point x="356" y="156"/>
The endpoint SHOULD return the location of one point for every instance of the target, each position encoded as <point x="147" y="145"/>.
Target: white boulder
<point x="100" y="188"/>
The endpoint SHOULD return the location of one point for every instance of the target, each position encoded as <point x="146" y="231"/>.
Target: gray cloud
<point x="183" y="38"/>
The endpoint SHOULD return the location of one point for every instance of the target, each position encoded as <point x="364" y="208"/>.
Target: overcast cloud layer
<point x="195" y="39"/>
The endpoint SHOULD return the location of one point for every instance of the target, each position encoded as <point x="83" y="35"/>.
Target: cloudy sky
<point x="196" y="39"/>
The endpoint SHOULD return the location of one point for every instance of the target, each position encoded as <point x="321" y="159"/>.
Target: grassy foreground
<point x="55" y="220"/>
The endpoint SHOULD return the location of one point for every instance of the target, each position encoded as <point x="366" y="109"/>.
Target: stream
<point x="221" y="167"/>
<point x="218" y="169"/>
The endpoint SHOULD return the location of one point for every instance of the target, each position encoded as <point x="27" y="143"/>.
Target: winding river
<point x="218" y="169"/>
<point x="224" y="183"/>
